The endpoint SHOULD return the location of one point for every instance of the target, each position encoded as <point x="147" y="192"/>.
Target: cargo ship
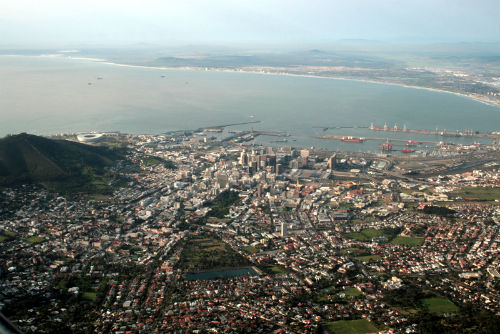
<point x="386" y="146"/>
<point x="450" y="134"/>
<point x="353" y="139"/>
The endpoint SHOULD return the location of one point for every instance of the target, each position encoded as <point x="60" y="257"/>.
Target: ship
<point x="375" y="128"/>
<point x="413" y="143"/>
<point x="450" y="134"/>
<point x="353" y="139"/>
<point x="214" y="129"/>
<point x="407" y="150"/>
<point x="386" y="146"/>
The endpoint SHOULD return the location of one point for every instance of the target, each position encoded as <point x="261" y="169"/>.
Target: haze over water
<point x="46" y="95"/>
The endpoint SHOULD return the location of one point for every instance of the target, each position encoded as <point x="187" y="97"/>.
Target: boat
<point x="386" y="146"/>
<point x="413" y="143"/>
<point x="350" y="139"/>
<point x="214" y="129"/>
<point x="450" y="134"/>
<point x="407" y="150"/>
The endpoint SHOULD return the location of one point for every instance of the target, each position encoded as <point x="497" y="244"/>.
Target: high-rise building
<point x="332" y="161"/>
<point x="243" y="158"/>
<point x="254" y="166"/>
<point x="283" y="230"/>
<point x="271" y="160"/>
<point x="279" y="169"/>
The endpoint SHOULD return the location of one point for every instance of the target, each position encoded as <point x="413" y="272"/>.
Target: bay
<point x="48" y="95"/>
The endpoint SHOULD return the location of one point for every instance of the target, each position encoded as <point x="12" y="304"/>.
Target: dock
<point x="271" y="133"/>
<point x="334" y="137"/>
<point x="443" y="133"/>
<point x="251" y="134"/>
<point x="220" y="127"/>
<point x="325" y="128"/>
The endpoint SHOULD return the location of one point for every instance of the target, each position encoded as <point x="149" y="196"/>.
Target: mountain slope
<point x="27" y="158"/>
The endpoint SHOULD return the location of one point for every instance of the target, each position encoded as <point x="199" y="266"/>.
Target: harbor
<point x="443" y="133"/>
<point x="436" y="132"/>
<point x="383" y="139"/>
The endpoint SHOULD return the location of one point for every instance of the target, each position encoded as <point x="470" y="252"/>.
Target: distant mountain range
<point x="59" y="165"/>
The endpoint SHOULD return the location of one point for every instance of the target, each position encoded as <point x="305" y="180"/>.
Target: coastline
<point x="242" y="70"/>
<point x="304" y="139"/>
<point x="239" y="70"/>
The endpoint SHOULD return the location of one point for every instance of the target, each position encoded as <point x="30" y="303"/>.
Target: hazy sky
<point x="74" y="22"/>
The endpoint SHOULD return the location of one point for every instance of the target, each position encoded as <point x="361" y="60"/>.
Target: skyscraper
<point x="283" y="230"/>
<point x="332" y="161"/>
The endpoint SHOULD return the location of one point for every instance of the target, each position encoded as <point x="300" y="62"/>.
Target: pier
<point x="250" y="135"/>
<point x="325" y="128"/>
<point x="334" y="137"/>
<point x="271" y="133"/>
<point x="443" y="133"/>
<point x="221" y="127"/>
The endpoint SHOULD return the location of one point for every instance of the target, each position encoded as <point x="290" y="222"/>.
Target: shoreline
<point x="241" y="70"/>
<point x="304" y="75"/>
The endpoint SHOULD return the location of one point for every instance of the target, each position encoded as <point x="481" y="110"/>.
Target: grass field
<point x="152" y="161"/>
<point x="355" y="251"/>
<point x="360" y="326"/>
<point x="277" y="269"/>
<point x="407" y="310"/>
<point x="439" y="305"/>
<point x="3" y="238"/>
<point x="353" y="292"/>
<point x="479" y="194"/>
<point x="202" y="253"/>
<point x="34" y="240"/>
<point x="368" y="258"/>
<point x="89" y="295"/>
<point x="9" y="234"/>
<point x="367" y="234"/>
<point x="251" y="249"/>
<point x="364" y="220"/>
<point x="408" y="241"/>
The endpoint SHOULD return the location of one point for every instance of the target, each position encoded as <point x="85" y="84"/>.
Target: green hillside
<point x="60" y="165"/>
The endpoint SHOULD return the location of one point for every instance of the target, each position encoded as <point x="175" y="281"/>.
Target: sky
<point x="39" y="23"/>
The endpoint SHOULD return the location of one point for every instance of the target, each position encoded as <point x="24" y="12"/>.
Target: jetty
<point x="334" y="137"/>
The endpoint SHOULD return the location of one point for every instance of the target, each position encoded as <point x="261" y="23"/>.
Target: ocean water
<point x="47" y="95"/>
